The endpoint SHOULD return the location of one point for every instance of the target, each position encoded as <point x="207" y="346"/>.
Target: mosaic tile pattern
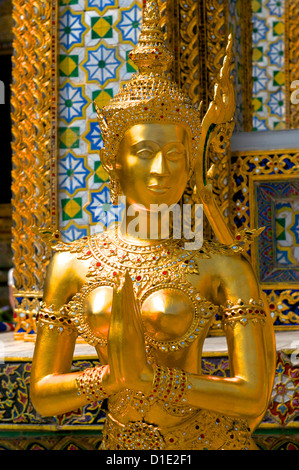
<point x="234" y="21"/>
<point x="95" y="38"/>
<point x="278" y="211"/>
<point x="269" y="100"/>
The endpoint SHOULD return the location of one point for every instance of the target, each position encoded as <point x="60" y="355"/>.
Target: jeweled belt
<point x="204" y="431"/>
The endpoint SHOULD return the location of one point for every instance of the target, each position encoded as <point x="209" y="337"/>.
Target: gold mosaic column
<point x="292" y="62"/>
<point x="33" y="128"/>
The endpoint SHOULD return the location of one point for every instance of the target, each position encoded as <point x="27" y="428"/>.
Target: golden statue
<point x="146" y="304"/>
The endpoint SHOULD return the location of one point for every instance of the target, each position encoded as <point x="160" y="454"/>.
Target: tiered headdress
<point x="150" y="96"/>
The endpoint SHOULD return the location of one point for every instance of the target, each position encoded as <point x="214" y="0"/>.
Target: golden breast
<point x="167" y="313"/>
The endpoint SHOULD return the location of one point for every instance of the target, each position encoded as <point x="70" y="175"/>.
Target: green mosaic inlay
<point x="101" y="27"/>
<point x="69" y="137"/>
<point x="71" y="208"/>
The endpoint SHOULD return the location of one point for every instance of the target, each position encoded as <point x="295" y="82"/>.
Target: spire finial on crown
<point x="151" y="54"/>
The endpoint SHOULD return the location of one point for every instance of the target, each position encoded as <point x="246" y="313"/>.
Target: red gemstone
<point x="138" y="278"/>
<point x="165" y="273"/>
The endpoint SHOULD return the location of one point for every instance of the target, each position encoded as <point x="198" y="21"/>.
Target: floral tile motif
<point x="102" y="65"/>
<point x="268" y="65"/>
<point x="71" y="29"/>
<point x="101" y="4"/>
<point x="94" y="136"/>
<point x="72" y="173"/>
<point x="73" y="232"/>
<point x="130" y="24"/>
<point x="277" y="206"/>
<point x="95" y="38"/>
<point x="101" y="209"/>
<point x="284" y="404"/>
<point x="287" y="232"/>
<point x="71" y="102"/>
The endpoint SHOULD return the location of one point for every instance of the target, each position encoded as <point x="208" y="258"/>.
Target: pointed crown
<point x="150" y="96"/>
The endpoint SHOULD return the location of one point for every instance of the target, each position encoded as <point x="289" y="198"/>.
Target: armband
<point x="57" y="320"/>
<point x="89" y="384"/>
<point x="243" y="313"/>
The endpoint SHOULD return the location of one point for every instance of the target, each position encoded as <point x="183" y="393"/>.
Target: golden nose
<point x="159" y="165"/>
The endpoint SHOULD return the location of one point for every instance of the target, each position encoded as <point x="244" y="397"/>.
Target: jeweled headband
<point x="150" y="96"/>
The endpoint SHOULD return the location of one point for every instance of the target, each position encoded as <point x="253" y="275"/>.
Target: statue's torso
<point x="175" y="290"/>
<point x="176" y="315"/>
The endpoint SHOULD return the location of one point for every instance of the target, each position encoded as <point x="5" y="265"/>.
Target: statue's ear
<point x="106" y="163"/>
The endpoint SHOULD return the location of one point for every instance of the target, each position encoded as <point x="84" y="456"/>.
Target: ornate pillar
<point x="34" y="151"/>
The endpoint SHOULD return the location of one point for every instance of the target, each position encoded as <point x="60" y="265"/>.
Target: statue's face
<point x="153" y="164"/>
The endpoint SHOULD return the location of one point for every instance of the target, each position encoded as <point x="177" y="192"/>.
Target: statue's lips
<point x="158" y="188"/>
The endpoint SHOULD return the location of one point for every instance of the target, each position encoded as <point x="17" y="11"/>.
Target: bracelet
<point x="89" y="384"/>
<point x="170" y="385"/>
<point x="242" y="313"/>
<point x="57" y="320"/>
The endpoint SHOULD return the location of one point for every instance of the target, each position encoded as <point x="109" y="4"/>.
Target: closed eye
<point x="145" y="153"/>
<point x="175" y="154"/>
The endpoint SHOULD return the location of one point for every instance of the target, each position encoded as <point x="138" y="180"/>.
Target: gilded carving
<point x="292" y="66"/>
<point x="32" y="176"/>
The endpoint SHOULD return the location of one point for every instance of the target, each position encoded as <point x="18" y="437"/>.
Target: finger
<point x="116" y="309"/>
<point x="131" y="304"/>
<point x="115" y="335"/>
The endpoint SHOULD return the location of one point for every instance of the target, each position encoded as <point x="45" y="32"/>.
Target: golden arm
<point x="251" y="351"/>
<point x="53" y="388"/>
<point x="245" y="394"/>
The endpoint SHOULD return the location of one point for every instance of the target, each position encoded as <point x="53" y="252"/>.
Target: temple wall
<point x="95" y="38"/>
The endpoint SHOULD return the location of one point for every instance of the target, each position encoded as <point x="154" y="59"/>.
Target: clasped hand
<point x="128" y="366"/>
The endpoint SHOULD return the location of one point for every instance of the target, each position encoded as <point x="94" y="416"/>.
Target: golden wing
<point x="217" y="127"/>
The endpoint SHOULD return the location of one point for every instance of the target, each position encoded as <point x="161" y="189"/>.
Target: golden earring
<point x="115" y="190"/>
